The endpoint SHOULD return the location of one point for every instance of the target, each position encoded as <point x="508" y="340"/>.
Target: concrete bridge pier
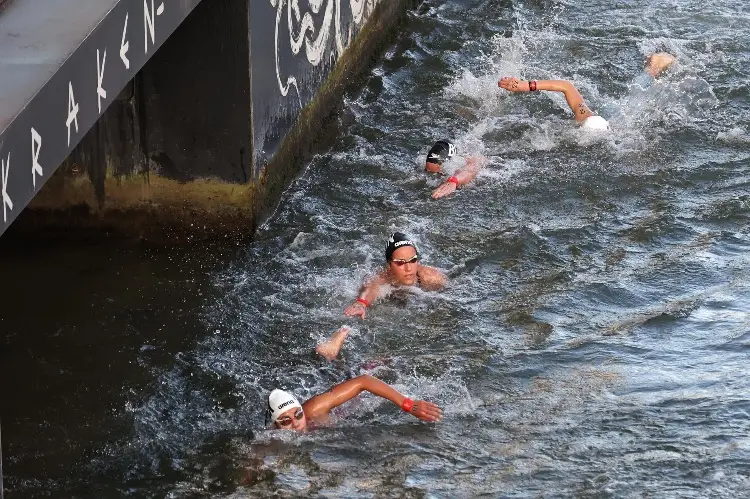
<point x="170" y="159"/>
<point x="202" y="140"/>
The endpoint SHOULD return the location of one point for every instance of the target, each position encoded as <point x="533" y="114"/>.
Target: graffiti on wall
<point x="314" y="36"/>
<point x="308" y="37"/>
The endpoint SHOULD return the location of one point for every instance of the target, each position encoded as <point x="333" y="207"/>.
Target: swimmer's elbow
<point x="366" y="383"/>
<point x="567" y="88"/>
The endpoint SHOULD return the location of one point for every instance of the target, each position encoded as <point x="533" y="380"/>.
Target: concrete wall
<point x="205" y="138"/>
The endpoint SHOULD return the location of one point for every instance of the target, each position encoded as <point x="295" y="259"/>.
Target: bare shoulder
<point x="376" y="281"/>
<point x="317" y="408"/>
<point x="431" y="278"/>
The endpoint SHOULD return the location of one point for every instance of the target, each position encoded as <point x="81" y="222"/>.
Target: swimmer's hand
<point x="356" y="309"/>
<point x="426" y="411"/>
<point x="444" y="190"/>
<point x="513" y="84"/>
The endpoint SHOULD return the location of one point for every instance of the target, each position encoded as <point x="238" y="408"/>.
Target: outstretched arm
<point x="461" y="177"/>
<point x="368" y="293"/>
<point x="319" y="406"/>
<point x="572" y="96"/>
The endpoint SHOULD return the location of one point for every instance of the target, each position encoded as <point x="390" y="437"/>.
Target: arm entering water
<point x="571" y="93"/>
<point x="368" y="293"/>
<point x="462" y="177"/>
<point x="319" y="406"/>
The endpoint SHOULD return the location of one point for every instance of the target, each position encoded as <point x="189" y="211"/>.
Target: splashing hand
<point x="444" y="190"/>
<point x="426" y="411"/>
<point x="513" y="84"/>
<point x="356" y="309"/>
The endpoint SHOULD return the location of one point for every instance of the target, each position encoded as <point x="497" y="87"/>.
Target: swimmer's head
<point x="402" y="259"/>
<point x="286" y="412"/>
<point x="595" y="123"/>
<point x="657" y="63"/>
<point x="441" y="151"/>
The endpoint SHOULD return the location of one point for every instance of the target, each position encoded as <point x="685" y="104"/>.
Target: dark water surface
<point x="593" y="341"/>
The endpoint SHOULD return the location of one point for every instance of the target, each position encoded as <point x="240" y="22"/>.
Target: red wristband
<point x="407" y="405"/>
<point x="454" y="180"/>
<point x="363" y="302"/>
<point x="532" y="85"/>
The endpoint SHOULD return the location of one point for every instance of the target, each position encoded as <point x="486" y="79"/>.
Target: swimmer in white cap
<point x="655" y="65"/>
<point x="288" y="414"/>
<point x="444" y="151"/>
<point x="402" y="268"/>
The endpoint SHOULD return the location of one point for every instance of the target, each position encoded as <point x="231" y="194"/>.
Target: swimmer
<point x="402" y="269"/>
<point x="443" y="151"/>
<point x="655" y="65"/>
<point x="288" y="414"/>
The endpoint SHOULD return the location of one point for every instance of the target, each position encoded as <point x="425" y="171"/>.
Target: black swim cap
<point x="397" y="240"/>
<point x="441" y="151"/>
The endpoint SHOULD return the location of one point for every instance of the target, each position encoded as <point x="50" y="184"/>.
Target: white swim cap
<point x="595" y="123"/>
<point x="280" y="401"/>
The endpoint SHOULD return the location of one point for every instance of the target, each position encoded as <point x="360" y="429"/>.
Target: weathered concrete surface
<point x="172" y="157"/>
<point x="297" y="145"/>
<point x="62" y="64"/>
<point x="35" y="38"/>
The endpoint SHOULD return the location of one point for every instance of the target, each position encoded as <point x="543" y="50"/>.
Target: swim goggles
<point x="400" y="262"/>
<point x="286" y="420"/>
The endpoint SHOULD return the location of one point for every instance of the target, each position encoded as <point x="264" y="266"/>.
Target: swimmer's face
<point x="288" y="420"/>
<point x="432" y="167"/>
<point x="404" y="265"/>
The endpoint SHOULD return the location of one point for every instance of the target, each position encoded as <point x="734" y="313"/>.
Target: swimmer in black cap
<point x="402" y="269"/>
<point x="288" y="414"/>
<point x="655" y="65"/>
<point x="443" y="151"/>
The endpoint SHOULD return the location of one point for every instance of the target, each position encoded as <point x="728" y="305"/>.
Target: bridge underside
<point x="196" y="139"/>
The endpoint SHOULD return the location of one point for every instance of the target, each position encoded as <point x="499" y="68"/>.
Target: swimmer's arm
<point x="431" y="278"/>
<point x="319" y="406"/>
<point x="572" y="95"/>
<point x="470" y="169"/>
<point x="462" y="176"/>
<point x="369" y="293"/>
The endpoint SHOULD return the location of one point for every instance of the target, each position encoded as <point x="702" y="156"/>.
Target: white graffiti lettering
<point x="125" y="45"/>
<point x="148" y="22"/>
<point x="72" y="111"/>
<point x="36" y="147"/>
<point x="7" y="202"/>
<point x="100" y="92"/>
<point x="303" y="26"/>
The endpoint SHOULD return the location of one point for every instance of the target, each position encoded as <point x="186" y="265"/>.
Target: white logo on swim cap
<point x="279" y="400"/>
<point x="451" y="150"/>
<point x="402" y="243"/>
<point x="286" y="404"/>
